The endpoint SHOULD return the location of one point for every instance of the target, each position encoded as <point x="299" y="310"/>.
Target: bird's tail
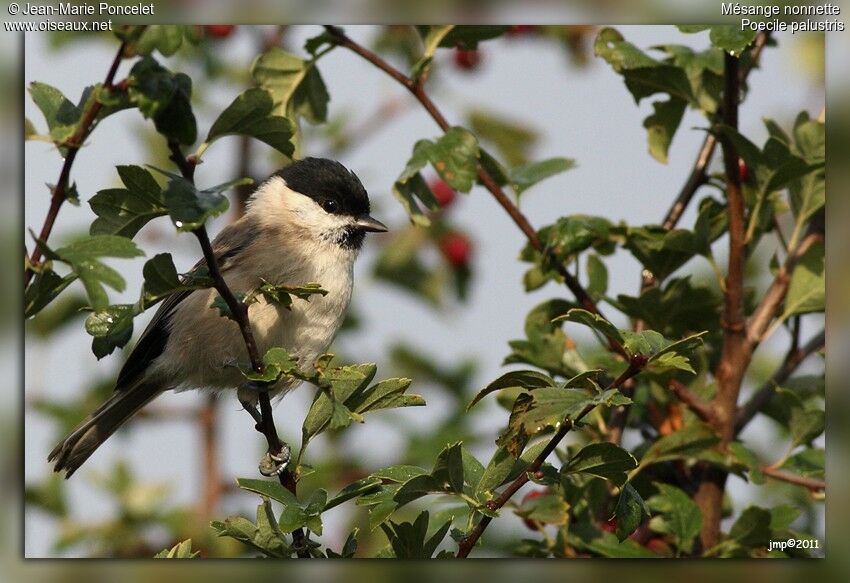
<point x="76" y="448"/>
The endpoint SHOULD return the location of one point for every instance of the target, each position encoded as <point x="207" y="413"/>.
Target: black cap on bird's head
<point x="334" y="187"/>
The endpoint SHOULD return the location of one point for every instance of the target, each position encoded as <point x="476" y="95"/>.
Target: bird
<point x="305" y="223"/>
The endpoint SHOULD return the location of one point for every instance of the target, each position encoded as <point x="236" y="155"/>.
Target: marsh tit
<point x="306" y="223"/>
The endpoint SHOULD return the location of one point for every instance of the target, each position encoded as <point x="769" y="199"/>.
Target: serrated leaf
<point x="687" y="442"/>
<point x="123" y="211"/>
<point x="250" y="114"/>
<point x="190" y="208"/>
<point x="295" y="85"/>
<point x="43" y="289"/>
<point x="182" y="550"/>
<point x="661" y="126"/>
<point x="805" y="425"/>
<point x="682" y="518"/>
<point x="525" y="379"/>
<point x="631" y="511"/>
<point x="806" y="292"/>
<point x="603" y="460"/>
<point x="593" y="321"/>
<point x="111" y="328"/>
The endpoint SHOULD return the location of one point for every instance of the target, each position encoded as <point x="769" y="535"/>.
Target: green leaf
<point x="165" y="97"/>
<point x="587" y="537"/>
<point x="749" y="459"/>
<point x="468" y="36"/>
<point x="269" y="489"/>
<point x="161" y="279"/>
<point x="526" y="379"/>
<point x="687" y="442"/>
<point x="752" y="529"/>
<point x="731" y="38"/>
<point x="806" y="425"/>
<point x="111" y="327"/>
<point x="603" y="460"/>
<point x="190" y="208"/>
<point x="593" y="321"/>
<point x="60" y="114"/>
<point x="455" y="157"/>
<point x="296" y="86"/>
<point x="165" y="38"/>
<point x="182" y="550"/>
<point x="411" y="189"/>
<point x="431" y="39"/>
<point x="661" y="126"/>
<point x="545" y="408"/>
<point x="524" y="177"/>
<point x="448" y="469"/>
<point x="643" y="75"/>
<point x="44" y="288"/>
<point x="597" y="275"/>
<point x="399" y="474"/>
<point x="806" y="292"/>
<point x="547" y="509"/>
<point x="408" y="540"/>
<point x="631" y="512"/>
<point x="83" y="256"/>
<point x="575" y="233"/>
<point x="354" y="490"/>
<point x="250" y="114"/>
<point x="123" y="211"/>
<point x="513" y="139"/>
<point x="809" y="462"/>
<point x="681" y="517"/>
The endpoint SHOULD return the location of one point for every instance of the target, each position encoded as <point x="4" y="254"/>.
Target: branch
<point x="636" y="364"/>
<point x="793" y="359"/>
<point x="694" y="402"/>
<point x="417" y="88"/>
<point x="758" y="325"/>
<point x="60" y="191"/>
<point x="812" y="484"/>
<point x="240" y="314"/>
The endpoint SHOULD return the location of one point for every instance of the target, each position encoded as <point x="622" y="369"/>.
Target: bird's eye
<point x="330" y="206"/>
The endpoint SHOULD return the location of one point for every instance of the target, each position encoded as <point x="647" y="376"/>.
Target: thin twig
<point x="240" y="315"/>
<point x="760" y="398"/>
<point x="694" y="402"/>
<point x="74" y="143"/>
<point x="812" y="484"/>
<point x="465" y="546"/>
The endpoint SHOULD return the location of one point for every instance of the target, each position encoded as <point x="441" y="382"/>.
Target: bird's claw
<point x="275" y="464"/>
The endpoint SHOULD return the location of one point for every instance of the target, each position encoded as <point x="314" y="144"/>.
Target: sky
<point x="586" y="114"/>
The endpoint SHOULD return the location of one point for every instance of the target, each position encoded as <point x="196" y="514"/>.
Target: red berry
<point x="467" y="59"/>
<point x="609" y="525"/>
<point x="528" y="497"/>
<point x="521" y="29"/>
<point x="743" y="171"/>
<point x="122" y="85"/>
<point x="444" y="193"/>
<point x="220" y="30"/>
<point x="659" y="547"/>
<point x="456" y="248"/>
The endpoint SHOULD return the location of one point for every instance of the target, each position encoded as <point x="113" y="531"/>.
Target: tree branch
<point x="694" y="402"/>
<point x="60" y="191"/>
<point x="812" y="484"/>
<point x="240" y="315"/>
<point x="792" y="360"/>
<point x="636" y="364"/>
<point x="417" y="88"/>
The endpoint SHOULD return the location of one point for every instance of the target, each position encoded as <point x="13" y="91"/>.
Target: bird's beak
<point x="367" y="223"/>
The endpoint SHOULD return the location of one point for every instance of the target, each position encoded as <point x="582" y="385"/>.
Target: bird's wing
<point x="227" y="246"/>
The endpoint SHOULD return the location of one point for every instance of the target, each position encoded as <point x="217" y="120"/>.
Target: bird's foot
<point x="274" y="464"/>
